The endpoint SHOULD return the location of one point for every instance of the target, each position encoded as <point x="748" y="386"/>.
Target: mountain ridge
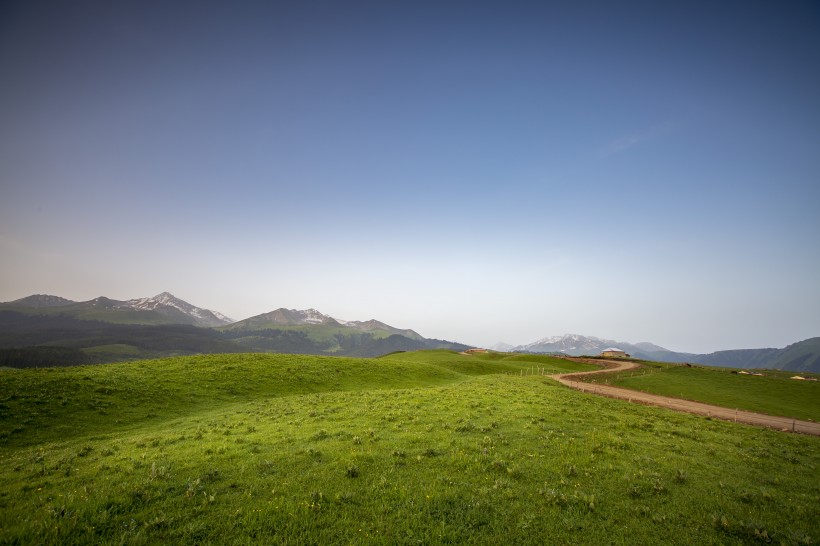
<point x="51" y="331"/>
<point x="310" y="330"/>
<point x="800" y="356"/>
<point x="165" y="302"/>
<point x="578" y="345"/>
<point x="38" y="301"/>
<point x="312" y="317"/>
<point x="164" y="308"/>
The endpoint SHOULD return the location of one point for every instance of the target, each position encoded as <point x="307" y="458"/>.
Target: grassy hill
<point x="428" y="447"/>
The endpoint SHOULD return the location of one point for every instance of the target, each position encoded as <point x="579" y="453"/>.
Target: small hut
<point x="613" y="352"/>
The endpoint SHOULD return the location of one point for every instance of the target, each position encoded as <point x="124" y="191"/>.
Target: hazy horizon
<point x="486" y="345"/>
<point x="478" y="172"/>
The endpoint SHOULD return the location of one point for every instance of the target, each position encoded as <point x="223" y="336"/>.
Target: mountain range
<point x="44" y="330"/>
<point x="801" y="356"/>
<point x="161" y="309"/>
<point x="579" y="345"/>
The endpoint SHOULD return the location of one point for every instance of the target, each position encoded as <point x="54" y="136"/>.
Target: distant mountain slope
<point x="578" y="345"/>
<point x="377" y="326"/>
<point x="801" y="356"/>
<point x="161" y="309"/>
<point x="649" y="347"/>
<point x="738" y="358"/>
<point x="284" y="317"/>
<point x="60" y="340"/>
<point x="182" y="311"/>
<point x="39" y="301"/>
<point x="316" y="321"/>
<point x="52" y="331"/>
<point x="310" y="331"/>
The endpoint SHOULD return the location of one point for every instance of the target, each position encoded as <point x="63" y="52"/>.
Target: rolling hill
<point x="412" y="448"/>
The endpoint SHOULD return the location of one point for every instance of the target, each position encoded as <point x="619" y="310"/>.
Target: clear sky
<point x="477" y="171"/>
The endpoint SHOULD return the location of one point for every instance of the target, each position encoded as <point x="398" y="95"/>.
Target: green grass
<point x="412" y="448"/>
<point x="773" y="394"/>
<point x="492" y="363"/>
<point x="124" y="395"/>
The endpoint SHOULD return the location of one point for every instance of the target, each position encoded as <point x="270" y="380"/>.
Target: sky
<point x="477" y="171"/>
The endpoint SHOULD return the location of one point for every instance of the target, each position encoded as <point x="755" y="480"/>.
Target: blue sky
<point x="477" y="171"/>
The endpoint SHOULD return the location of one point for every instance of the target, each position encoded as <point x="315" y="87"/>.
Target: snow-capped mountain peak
<point x="293" y="317"/>
<point x="167" y="303"/>
<point x="312" y="316"/>
<point x="573" y="344"/>
<point x="577" y="345"/>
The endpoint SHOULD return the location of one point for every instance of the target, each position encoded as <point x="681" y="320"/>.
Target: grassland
<point x="412" y="448"/>
<point x="774" y="393"/>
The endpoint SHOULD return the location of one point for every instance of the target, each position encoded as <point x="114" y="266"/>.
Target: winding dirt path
<point x="785" y="424"/>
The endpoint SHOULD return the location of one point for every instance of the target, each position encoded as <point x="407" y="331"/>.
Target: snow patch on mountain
<point x="166" y="301"/>
<point x="578" y="345"/>
<point x="312" y="316"/>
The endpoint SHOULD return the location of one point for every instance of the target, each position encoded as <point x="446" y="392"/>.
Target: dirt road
<point x="717" y="412"/>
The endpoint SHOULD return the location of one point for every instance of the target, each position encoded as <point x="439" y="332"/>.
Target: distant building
<point x="614" y="352"/>
<point x="474" y="351"/>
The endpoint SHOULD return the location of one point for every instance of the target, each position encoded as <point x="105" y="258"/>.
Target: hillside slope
<point x="163" y="308"/>
<point x="411" y="448"/>
<point x="312" y="332"/>
<point x="803" y="356"/>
